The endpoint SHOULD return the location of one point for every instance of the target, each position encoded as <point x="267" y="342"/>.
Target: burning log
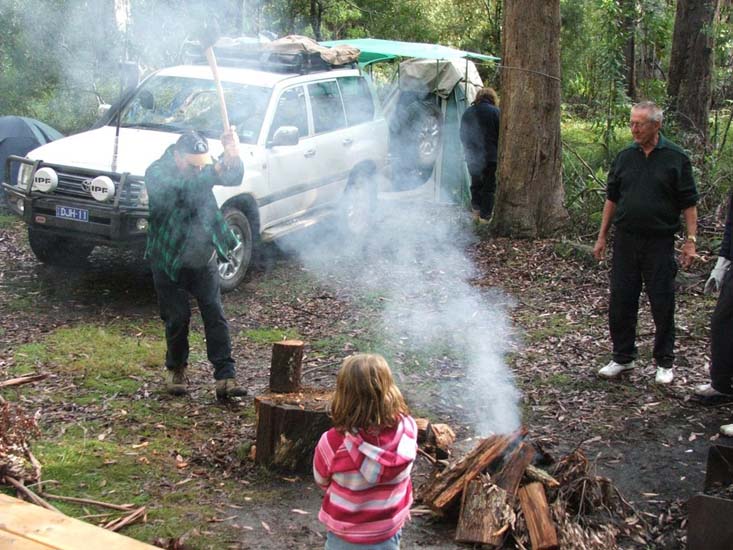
<point x="510" y="476"/>
<point x="443" y="492"/>
<point x="486" y="514"/>
<point x="541" y="528"/>
<point x="286" y="365"/>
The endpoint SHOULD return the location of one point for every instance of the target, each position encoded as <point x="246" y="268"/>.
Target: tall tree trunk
<point x="316" y="13"/>
<point x="628" y="8"/>
<point x="691" y="65"/>
<point x="530" y="195"/>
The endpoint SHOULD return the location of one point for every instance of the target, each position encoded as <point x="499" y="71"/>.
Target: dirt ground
<point x="652" y="442"/>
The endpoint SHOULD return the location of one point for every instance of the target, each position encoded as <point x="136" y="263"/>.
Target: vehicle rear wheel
<point x="359" y="202"/>
<point x="233" y="271"/>
<point x="61" y="251"/>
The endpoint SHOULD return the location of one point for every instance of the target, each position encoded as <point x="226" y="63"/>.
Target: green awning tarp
<point x="374" y="49"/>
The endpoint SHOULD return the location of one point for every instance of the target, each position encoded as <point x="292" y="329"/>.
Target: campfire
<point x="499" y="491"/>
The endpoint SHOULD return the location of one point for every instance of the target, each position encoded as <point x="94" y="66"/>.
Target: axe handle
<point x="219" y="90"/>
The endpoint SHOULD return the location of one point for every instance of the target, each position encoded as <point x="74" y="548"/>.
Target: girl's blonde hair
<point x="366" y="395"/>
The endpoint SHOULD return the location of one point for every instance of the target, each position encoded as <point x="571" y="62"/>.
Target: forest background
<point x="60" y="59"/>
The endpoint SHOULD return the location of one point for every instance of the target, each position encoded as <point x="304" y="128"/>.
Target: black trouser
<point x="483" y="189"/>
<point x="649" y="260"/>
<point x="175" y="310"/>
<point x="721" y="338"/>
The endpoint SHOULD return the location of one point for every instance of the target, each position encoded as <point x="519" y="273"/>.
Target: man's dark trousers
<point x="641" y="259"/>
<point x="175" y="310"/>
<point x="483" y="190"/>
<point x="721" y="338"/>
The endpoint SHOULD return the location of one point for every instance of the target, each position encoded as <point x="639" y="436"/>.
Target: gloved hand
<point x="716" y="275"/>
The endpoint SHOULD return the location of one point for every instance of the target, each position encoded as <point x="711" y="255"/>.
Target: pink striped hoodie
<point x="367" y="481"/>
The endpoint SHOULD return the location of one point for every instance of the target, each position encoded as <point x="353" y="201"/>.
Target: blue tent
<point x="18" y="135"/>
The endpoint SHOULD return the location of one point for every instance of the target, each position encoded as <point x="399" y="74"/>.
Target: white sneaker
<point x="613" y="369"/>
<point x="726" y="430"/>
<point x="664" y="376"/>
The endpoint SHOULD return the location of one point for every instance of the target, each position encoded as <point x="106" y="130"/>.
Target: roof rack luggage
<point x="291" y="54"/>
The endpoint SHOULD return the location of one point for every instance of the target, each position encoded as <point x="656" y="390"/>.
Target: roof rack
<point x="253" y="54"/>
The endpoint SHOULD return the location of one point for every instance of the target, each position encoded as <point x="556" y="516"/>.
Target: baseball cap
<point x="195" y="147"/>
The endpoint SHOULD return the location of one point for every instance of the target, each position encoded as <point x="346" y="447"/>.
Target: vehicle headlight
<point x="24" y="174"/>
<point x="142" y="198"/>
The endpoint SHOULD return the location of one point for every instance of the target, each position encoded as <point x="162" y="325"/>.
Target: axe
<point x="208" y="36"/>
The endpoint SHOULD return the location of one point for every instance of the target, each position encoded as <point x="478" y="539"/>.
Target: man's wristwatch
<point x="692" y="238"/>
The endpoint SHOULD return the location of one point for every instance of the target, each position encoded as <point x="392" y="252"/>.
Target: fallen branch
<point x="26" y="379"/>
<point x="30" y="495"/>
<point x="121" y="507"/>
<point x="119" y="523"/>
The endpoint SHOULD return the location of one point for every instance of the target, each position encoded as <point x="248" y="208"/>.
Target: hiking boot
<point x="664" y="376"/>
<point x="614" y="369"/>
<point x="227" y="388"/>
<point x="176" y="384"/>
<point x="708" y="395"/>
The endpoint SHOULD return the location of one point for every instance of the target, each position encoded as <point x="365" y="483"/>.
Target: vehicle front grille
<point x="71" y="185"/>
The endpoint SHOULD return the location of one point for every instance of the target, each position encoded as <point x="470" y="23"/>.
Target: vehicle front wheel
<point x="233" y="271"/>
<point x="59" y="251"/>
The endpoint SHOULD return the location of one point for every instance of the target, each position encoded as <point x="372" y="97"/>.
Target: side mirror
<point x="285" y="135"/>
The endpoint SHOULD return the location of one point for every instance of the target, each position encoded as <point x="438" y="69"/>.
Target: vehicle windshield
<point x="177" y="104"/>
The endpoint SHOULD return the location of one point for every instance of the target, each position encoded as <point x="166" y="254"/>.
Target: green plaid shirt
<point x="175" y="199"/>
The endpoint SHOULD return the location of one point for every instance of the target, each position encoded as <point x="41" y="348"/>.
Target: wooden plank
<point x="542" y="533"/>
<point x="9" y="541"/>
<point x="29" y="524"/>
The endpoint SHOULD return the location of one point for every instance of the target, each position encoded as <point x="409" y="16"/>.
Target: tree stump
<point x="289" y="427"/>
<point x="285" y="367"/>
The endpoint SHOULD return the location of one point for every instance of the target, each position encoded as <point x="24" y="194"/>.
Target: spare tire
<point x="418" y="130"/>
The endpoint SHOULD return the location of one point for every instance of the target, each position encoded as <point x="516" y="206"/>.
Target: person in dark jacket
<point x="720" y="387"/>
<point x="480" y="137"/>
<point x="186" y="234"/>
<point x="649" y="185"/>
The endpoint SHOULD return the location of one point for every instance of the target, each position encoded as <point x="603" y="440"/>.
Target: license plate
<point x="71" y="213"/>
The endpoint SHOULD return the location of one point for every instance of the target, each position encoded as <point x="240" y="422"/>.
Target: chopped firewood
<point x="511" y="473"/>
<point x="423" y="430"/>
<point x="486" y="513"/>
<point x="443" y="491"/>
<point x="542" y="533"/>
<point x="25" y="379"/>
<point x="443" y="437"/>
<point x="538" y="474"/>
<point x="286" y="365"/>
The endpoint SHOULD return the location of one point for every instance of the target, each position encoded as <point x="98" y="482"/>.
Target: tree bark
<point x="691" y="66"/>
<point x="530" y="195"/>
<point x="628" y="9"/>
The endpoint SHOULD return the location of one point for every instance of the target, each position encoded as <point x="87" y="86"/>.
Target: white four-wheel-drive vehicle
<point x="313" y="142"/>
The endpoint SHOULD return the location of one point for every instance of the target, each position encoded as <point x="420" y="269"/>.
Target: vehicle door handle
<point x="347" y="142"/>
<point x="310" y="153"/>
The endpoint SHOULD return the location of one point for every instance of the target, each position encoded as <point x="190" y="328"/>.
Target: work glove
<point x="716" y="275"/>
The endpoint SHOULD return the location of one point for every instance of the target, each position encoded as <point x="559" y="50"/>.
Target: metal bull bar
<point x="710" y="526"/>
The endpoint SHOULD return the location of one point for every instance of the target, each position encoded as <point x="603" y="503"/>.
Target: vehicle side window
<point x="358" y="101"/>
<point x="291" y="111"/>
<point x="328" y="112"/>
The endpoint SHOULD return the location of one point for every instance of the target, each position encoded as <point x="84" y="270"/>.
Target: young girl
<point x="364" y="462"/>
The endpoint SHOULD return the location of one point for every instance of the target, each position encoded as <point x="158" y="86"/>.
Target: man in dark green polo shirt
<point x="649" y="184"/>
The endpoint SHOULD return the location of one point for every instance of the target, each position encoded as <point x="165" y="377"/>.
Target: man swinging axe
<point x="187" y="233"/>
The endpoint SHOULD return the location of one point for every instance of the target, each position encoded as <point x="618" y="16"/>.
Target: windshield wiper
<point x="154" y="126"/>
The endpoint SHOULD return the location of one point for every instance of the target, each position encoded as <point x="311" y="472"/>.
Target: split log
<point x="542" y="533"/>
<point x="424" y="432"/>
<point x="442" y="493"/>
<point x="286" y="365"/>
<point x="443" y="437"/>
<point x="486" y="514"/>
<point x="538" y="474"/>
<point x="511" y="473"/>
<point x="289" y="427"/>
